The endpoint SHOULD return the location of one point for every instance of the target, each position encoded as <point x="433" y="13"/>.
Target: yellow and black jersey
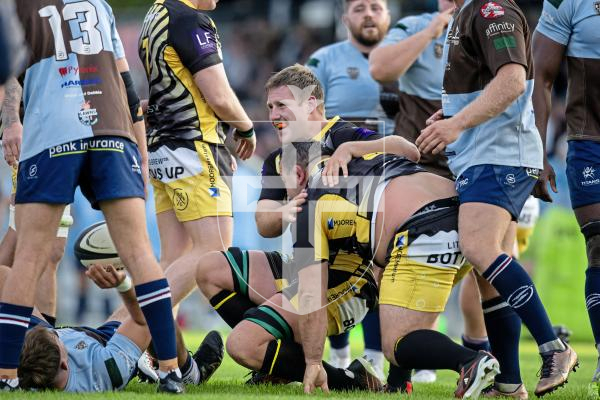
<point x="176" y="42"/>
<point x="338" y="220"/>
<point x="334" y="134"/>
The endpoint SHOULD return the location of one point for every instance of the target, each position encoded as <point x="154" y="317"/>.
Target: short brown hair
<point x="299" y="76"/>
<point x="40" y="360"/>
<point x="346" y="3"/>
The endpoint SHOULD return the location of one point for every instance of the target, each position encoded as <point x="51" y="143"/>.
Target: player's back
<point x="176" y="42"/>
<point x="72" y="87"/>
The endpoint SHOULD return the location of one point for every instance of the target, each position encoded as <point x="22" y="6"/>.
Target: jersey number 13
<point x="90" y="41"/>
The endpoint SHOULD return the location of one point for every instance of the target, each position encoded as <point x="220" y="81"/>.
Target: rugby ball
<point x="95" y="246"/>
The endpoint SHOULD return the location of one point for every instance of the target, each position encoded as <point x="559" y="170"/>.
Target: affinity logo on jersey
<point x="64" y="71"/>
<point x="491" y="10"/>
<point x="88" y="116"/>
<point x="214" y="192"/>
<point x="494" y="28"/>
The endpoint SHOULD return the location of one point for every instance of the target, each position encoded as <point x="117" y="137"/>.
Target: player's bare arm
<point x="505" y="88"/>
<point x="312" y="301"/>
<point x="389" y="63"/>
<point x="273" y="217"/>
<point x="547" y="57"/>
<point x="13" y="129"/>
<point x="347" y="151"/>
<point x="214" y="85"/>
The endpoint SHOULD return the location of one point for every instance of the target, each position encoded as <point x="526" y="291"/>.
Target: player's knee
<point x="387" y="346"/>
<point x="591" y="232"/>
<point x="210" y="268"/>
<point x="57" y="253"/>
<point x="237" y="346"/>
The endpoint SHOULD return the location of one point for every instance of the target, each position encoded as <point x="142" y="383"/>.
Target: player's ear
<point x="301" y="176"/>
<point x="312" y="104"/>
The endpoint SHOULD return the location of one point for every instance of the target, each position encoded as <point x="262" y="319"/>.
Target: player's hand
<point x="439" y="114"/>
<point x="434" y="138"/>
<point x="105" y="276"/>
<point x="315" y="377"/>
<point x="438" y="24"/>
<point x="547" y="175"/>
<point x="244" y="146"/>
<point x="339" y="160"/>
<point x="233" y="164"/>
<point x="11" y="142"/>
<point x="292" y="208"/>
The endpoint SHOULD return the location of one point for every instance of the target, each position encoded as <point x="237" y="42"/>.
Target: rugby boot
<point x="172" y="383"/>
<point x="556" y="366"/>
<point x="209" y="355"/>
<point x="365" y="375"/>
<point x="477" y="375"/>
<point x="519" y="393"/>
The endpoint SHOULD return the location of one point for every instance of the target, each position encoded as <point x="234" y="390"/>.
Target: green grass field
<point x="227" y="383"/>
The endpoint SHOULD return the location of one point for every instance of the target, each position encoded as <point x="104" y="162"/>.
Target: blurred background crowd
<point x="260" y="37"/>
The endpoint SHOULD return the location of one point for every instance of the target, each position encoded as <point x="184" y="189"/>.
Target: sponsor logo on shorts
<point x="80" y="83"/>
<point x="84" y="145"/>
<point x="353" y="72"/>
<point x="510" y="179"/>
<point x="533" y="172"/>
<point x="589" y="176"/>
<point x="135" y="167"/>
<point x="495" y="28"/>
<point x="180" y="199"/>
<point x="462" y="183"/>
<point x="520" y="296"/>
<point x="491" y="10"/>
<point x="64" y="71"/>
<point x="33" y="170"/>
<point x="88" y="116"/>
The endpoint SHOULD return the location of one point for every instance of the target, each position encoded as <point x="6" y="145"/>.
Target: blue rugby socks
<point x="154" y="299"/>
<point x="512" y="282"/>
<point x="504" y="332"/>
<point x="592" y="299"/>
<point x="14" y="322"/>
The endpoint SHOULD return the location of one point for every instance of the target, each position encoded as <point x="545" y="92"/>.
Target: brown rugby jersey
<point x="72" y="87"/>
<point x="575" y="24"/>
<point x="177" y="41"/>
<point x="483" y="36"/>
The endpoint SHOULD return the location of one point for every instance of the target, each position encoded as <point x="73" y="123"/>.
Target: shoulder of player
<point x="181" y="15"/>
<point x="270" y="166"/>
<point x="413" y="23"/>
<point x="487" y="10"/>
<point x="328" y="51"/>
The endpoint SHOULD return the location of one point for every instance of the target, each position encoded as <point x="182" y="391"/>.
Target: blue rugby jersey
<point x="72" y="88"/>
<point x="482" y="37"/>
<point x="349" y="89"/>
<point x="575" y="24"/>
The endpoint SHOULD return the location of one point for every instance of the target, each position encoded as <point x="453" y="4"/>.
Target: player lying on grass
<point x="83" y="359"/>
<point x="403" y="218"/>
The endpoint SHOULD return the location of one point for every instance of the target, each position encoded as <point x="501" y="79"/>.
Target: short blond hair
<point x="301" y="77"/>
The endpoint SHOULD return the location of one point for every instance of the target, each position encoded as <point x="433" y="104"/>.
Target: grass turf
<point x="227" y="383"/>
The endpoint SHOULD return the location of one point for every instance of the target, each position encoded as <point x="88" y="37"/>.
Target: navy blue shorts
<point x="502" y="186"/>
<point x="583" y="172"/>
<point x="105" y="167"/>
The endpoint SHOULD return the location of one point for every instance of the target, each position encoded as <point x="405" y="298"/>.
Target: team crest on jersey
<point x="491" y="10"/>
<point x="353" y="72"/>
<point x="81" y="345"/>
<point x="88" y="116"/>
<point x="438" y="50"/>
